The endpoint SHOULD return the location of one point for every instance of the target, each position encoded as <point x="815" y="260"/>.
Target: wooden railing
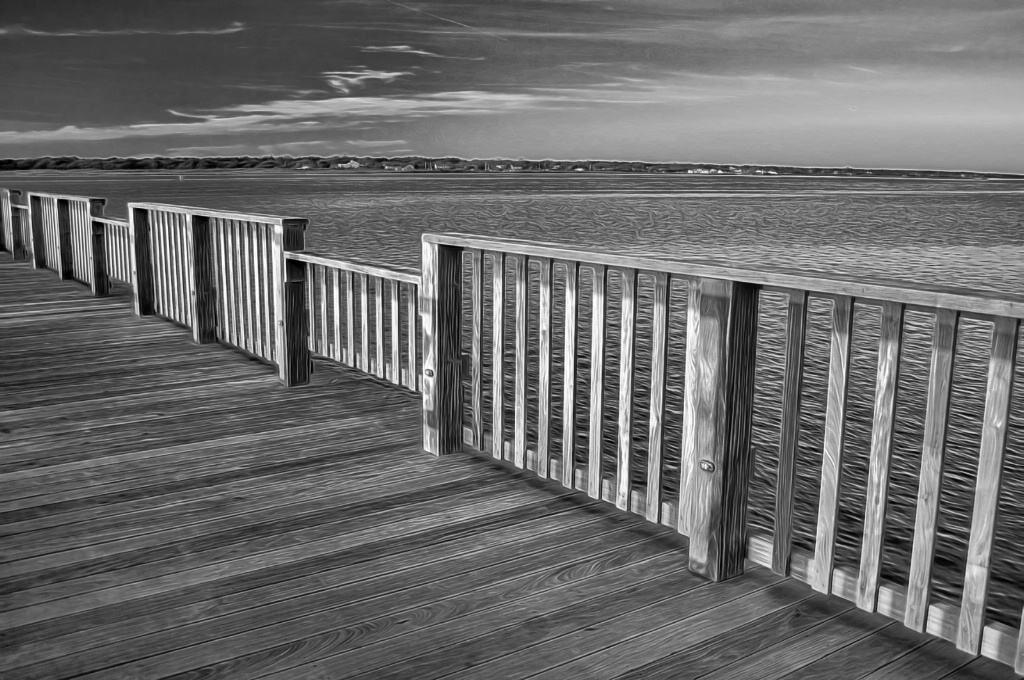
<point x="722" y="322"/>
<point x="339" y="333"/>
<point x="116" y="248"/>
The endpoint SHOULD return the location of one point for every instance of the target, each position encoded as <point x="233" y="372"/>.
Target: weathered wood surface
<point x="170" y="509"/>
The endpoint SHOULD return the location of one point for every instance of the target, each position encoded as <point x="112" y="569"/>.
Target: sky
<point x="914" y="84"/>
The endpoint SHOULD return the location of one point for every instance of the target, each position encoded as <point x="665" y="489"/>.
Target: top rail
<point x="874" y="288"/>
<point x="392" y="272"/>
<point x="221" y="214"/>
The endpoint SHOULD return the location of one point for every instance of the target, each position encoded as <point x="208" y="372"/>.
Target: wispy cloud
<point x="409" y="49"/>
<point x="344" y="81"/>
<point x="233" y="27"/>
<point x="376" y="142"/>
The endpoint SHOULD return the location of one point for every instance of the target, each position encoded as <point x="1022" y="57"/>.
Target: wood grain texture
<point x="789" y="432"/>
<point x="378" y="325"/>
<point x="412" y="300"/>
<point x="874" y="288"/>
<point x="572" y="276"/>
<point x="364" y="324"/>
<point x="100" y="264"/>
<point x="294" y="362"/>
<point x="338" y="354"/>
<point x="883" y="426"/>
<point x="202" y="293"/>
<point x="350" y="319"/>
<point x="544" y="369"/>
<point x="141" y="262"/>
<point x="933" y="452"/>
<point x="498" y="355"/>
<point x="835" y="436"/>
<point x="476" y="343"/>
<point x="659" y="378"/>
<point x="395" y="368"/>
<point x="441" y="293"/>
<point x="598" y="323"/>
<point x="627" y="361"/>
<point x="988" y="484"/>
<point x="522" y="305"/>
<point x="721" y="347"/>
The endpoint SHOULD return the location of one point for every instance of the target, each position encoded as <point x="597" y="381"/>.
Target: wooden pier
<point x="169" y="507"/>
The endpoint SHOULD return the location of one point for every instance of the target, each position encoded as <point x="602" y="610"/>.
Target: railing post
<point x="721" y="347"/>
<point x="441" y="314"/>
<point x="202" y="296"/>
<point x="141" y="260"/>
<point x="294" y="361"/>
<point x="35" y="232"/>
<point x="13" y="218"/>
<point x="65" y="255"/>
<point x="99" y="271"/>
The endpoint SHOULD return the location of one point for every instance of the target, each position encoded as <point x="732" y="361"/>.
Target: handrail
<point x="722" y="320"/>
<point x="920" y="295"/>
<point x="277" y="220"/>
<point x="393" y="272"/>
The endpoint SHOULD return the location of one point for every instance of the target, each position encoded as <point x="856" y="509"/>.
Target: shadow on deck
<point x="168" y="509"/>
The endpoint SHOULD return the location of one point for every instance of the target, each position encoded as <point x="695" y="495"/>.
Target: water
<point x="963" y="233"/>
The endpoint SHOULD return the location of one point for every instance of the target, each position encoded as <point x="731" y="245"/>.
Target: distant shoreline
<point x="417" y="164"/>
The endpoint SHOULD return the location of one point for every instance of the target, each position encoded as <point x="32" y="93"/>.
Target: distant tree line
<point x="450" y="164"/>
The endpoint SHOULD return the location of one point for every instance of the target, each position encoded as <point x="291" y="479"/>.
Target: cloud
<point x="344" y="81"/>
<point x="233" y="27"/>
<point x="372" y="142"/>
<point x="409" y="49"/>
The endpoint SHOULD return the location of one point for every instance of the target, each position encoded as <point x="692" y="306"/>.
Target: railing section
<point x="226" y="277"/>
<point x="14" y="217"/>
<point x="722" y="318"/>
<point x="340" y="295"/>
<point x="61" y="235"/>
<point x="116" y="238"/>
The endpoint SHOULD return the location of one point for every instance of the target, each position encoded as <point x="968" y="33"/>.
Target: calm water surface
<point x="962" y="233"/>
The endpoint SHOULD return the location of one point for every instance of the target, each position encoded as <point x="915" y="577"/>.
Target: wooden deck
<point x="170" y="510"/>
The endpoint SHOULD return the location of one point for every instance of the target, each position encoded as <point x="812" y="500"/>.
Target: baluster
<point x="476" y="391"/>
<point x="498" y="355"/>
<point x="544" y="370"/>
<point x="181" y="258"/>
<point x="442" y="363"/>
<point x="350" y="303"/>
<point x="223" y="280"/>
<point x="572" y="277"/>
<point x="412" y="301"/>
<point x="659" y="377"/>
<point x="522" y="316"/>
<point x="248" y="288"/>
<point x="325" y="347"/>
<point x="721" y="349"/>
<point x="789" y="433"/>
<point x="268" y="303"/>
<point x="364" y="310"/>
<point x="231" y="249"/>
<point x="314" y="336"/>
<point x="159" y="261"/>
<point x="627" y="361"/>
<point x="940" y="384"/>
<point x="336" y="285"/>
<point x="998" y="394"/>
<point x="378" y="308"/>
<point x="881" y="454"/>
<point x="396" y="343"/>
<point x="597" y="324"/>
<point x="99" y="274"/>
<point x="255" y="229"/>
<point x="835" y="436"/>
